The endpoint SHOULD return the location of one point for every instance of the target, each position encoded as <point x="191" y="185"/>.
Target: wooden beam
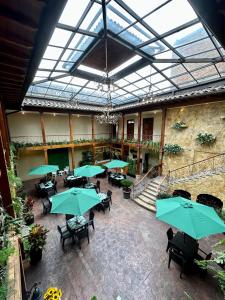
<point x="162" y="138"/>
<point x="72" y="158"/>
<point x="4" y="132"/>
<point x="139" y="147"/>
<point x="43" y="128"/>
<point x="4" y="182"/>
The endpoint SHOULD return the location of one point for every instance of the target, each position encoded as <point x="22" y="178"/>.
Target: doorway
<point x="58" y="157"/>
<point x="147" y="131"/>
<point x="130" y="129"/>
<point x="114" y="131"/>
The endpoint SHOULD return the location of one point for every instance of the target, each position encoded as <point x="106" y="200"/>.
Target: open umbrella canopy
<point x="88" y="171"/>
<point x="193" y="218"/>
<point x="43" y="170"/>
<point x="116" y="163"/>
<point x="75" y="201"/>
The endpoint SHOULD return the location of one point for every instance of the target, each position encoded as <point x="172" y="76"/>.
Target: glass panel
<point x="155" y="78"/>
<point x="57" y="86"/>
<point x="207" y="54"/>
<point x="172" y="15"/>
<point x="125" y="64"/>
<point x="47" y="64"/>
<point x="193" y="66"/>
<point x="154" y="48"/>
<point x="167" y="54"/>
<point x="144" y="71"/>
<point x="60" y="37"/>
<point x="79" y="81"/>
<point x="186" y="78"/>
<point x="132" y="77"/>
<point x="196" y="47"/>
<point x="162" y="66"/>
<point x="204" y="73"/>
<point x="72" y="89"/>
<point x="141" y="84"/>
<point x="52" y="52"/>
<point x="121" y="82"/>
<point x="73" y="11"/>
<point x="163" y="84"/>
<point x="93" y="20"/>
<point x="80" y="42"/>
<point x="174" y="71"/>
<point x="66" y="79"/>
<point x="221" y="67"/>
<point x="90" y="70"/>
<point x="130" y="88"/>
<point x="190" y="34"/>
<point x="142" y="7"/>
<point x="64" y="66"/>
<point x="71" y="55"/>
<point x="42" y="74"/>
<point x="137" y="34"/>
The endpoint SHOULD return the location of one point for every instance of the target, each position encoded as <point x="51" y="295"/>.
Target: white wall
<point x="56" y="127"/>
<point x="25" y="127"/>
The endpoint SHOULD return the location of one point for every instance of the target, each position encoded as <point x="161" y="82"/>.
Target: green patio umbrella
<point x="88" y="171"/>
<point x="116" y="163"/>
<point x="75" y="201"/>
<point x="43" y="170"/>
<point x="193" y="218"/>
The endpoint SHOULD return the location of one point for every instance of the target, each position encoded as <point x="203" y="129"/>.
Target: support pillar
<point x="139" y="146"/>
<point x="46" y="156"/>
<point x="4" y="182"/>
<point x="4" y="133"/>
<point x="122" y="137"/>
<point x="93" y="135"/>
<point x="43" y="128"/>
<point x="71" y="140"/>
<point x="162" y="138"/>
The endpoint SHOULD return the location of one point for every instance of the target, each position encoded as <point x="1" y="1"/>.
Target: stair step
<point x="149" y="195"/>
<point x="152" y="190"/>
<point x="146" y="200"/>
<point x="145" y="205"/>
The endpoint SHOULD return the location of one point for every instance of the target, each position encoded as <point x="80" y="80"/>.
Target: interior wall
<point x="25" y="127"/>
<point x="56" y="127"/>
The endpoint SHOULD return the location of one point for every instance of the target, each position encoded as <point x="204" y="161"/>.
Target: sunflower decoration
<point x="53" y="293"/>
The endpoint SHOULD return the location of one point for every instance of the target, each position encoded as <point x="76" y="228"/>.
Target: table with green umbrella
<point x="116" y="164"/>
<point x="88" y="171"/>
<point x="75" y="201"/>
<point x="43" y="169"/>
<point x="194" y="219"/>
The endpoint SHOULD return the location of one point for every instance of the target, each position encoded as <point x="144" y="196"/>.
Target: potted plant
<point x="179" y="125"/>
<point x="37" y="241"/>
<point x="205" y="139"/>
<point x="126" y="184"/>
<point x="27" y="210"/>
<point x="172" y="149"/>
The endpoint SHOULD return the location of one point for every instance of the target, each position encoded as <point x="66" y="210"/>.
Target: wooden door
<point x="130" y="129"/>
<point x="147" y="129"/>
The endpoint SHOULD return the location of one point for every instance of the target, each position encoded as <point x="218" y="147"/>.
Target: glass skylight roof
<point x="171" y="49"/>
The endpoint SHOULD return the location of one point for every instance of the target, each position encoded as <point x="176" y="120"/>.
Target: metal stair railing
<point x="140" y="186"/>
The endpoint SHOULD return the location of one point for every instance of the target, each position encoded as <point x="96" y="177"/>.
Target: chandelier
<point x="149" y="96"/>
<point x="106" y="86"/>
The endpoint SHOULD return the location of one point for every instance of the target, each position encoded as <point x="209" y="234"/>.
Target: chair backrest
<point x="210" y="200"/>
<point x="170" y="233"/>
<point x="98" y="183"/>
<point x="91" y="215"/>
<point x="59" y="229"/>
<point x="182" y="193"/>
<point x="208" y="256"/>
<point x="109" y="193"/>
<point x="51" y="192"/>
<point x="82" y="231"/>
<point x="68" y="217"/>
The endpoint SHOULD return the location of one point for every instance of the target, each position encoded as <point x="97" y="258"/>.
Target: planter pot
<point x="29" y="220"/>
<point x="126" y="193"/>
<point x="35" y="256"/>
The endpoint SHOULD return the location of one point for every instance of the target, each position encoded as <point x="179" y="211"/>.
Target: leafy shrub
<point x="179" y="125"/>
<point x="172" y="149"/>
<point x="205" y="139"/>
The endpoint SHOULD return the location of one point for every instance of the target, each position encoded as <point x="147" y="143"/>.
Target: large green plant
<point x="205" y="139"/>
<point x="37" y="237"/>
<point x="172" y="149"/>
<point x="218" y="259"/>
<point x="131" y="167"/>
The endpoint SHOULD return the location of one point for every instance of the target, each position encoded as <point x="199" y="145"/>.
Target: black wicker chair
<point x="182" y="193"/>
<point x="211" y="201"/>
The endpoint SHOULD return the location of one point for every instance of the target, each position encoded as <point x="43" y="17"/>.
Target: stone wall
<point x="204" y="118"/>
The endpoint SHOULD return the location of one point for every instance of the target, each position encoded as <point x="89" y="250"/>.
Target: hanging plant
<point x="179" y="125"/>
<point x="173" y="149"/>
<point x="205" y="139"/>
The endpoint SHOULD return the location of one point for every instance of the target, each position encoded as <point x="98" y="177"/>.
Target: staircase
<point x="148" y="196"/>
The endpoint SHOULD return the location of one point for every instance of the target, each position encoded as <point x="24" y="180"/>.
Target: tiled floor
<point x="126" y="257"/>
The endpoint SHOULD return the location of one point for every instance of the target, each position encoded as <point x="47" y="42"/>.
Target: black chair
<point x="104" y="205"/>
<point x="47" y="205"/>
<point x="182" y="193"/>
<point x="109" y="177"/>
<point x="91" y="219"/>
<point x="81" y="233"/>
<point x="211" y="201"/>
<point x="177" y="256"/>
<point x="65" y="182"/>
<point x="68" y="217"/>
<point x="203" y="272"/>
<point x="64" y="234"/>
<point x="170" y="237"/>
<point x="98" y="186"/>
<point x="109" y="196"/>
<point x="55" y="187"/>
<point x="50" y="192"/>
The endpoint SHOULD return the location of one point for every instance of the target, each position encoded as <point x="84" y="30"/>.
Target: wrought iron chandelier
<point x="149" y="96"/>
<point x="106" y="85"/>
